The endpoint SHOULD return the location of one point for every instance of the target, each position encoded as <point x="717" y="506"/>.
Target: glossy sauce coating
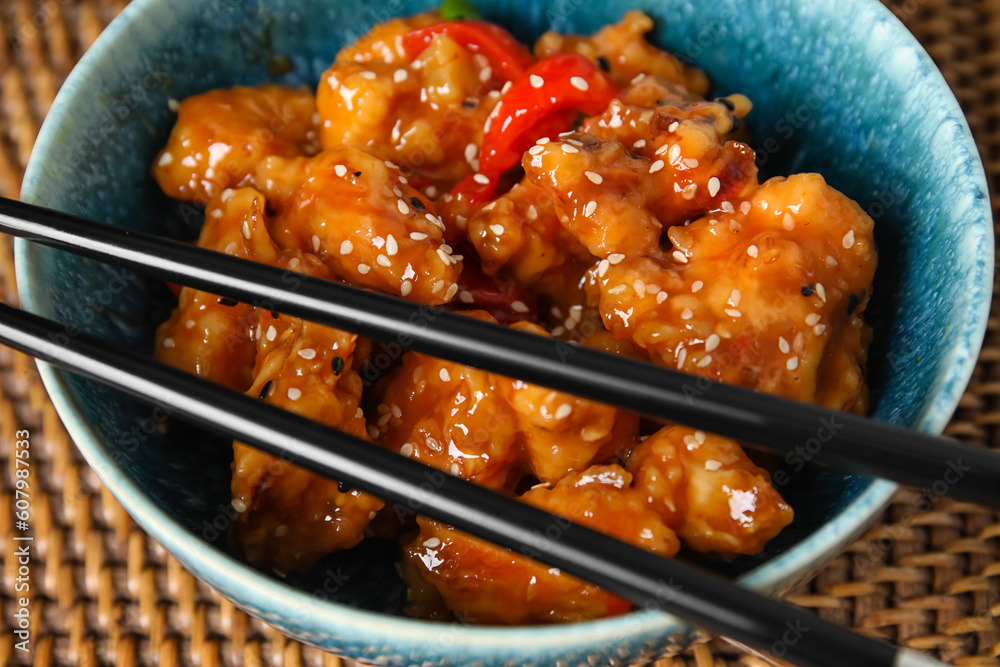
<point x="641" y="230"/>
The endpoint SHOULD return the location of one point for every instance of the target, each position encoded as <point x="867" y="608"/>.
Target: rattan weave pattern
<point x="103" y="593"/>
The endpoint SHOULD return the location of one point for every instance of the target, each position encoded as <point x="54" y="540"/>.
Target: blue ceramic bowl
<point x="866" y="108"/>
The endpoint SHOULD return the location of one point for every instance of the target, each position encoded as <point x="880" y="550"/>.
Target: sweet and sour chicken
<point x="585" y="190"/>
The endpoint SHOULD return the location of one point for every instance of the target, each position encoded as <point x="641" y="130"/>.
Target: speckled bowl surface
<point x="865" y="107"/>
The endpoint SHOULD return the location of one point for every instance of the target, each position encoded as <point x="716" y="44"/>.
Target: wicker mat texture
<point x="106" y="594"/>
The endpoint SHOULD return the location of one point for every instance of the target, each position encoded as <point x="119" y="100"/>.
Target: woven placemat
<point x="103" y="593"/>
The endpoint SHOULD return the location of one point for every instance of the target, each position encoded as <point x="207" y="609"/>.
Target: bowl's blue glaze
<point x="865" y="107"/>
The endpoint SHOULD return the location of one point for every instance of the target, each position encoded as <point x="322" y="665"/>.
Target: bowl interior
<point x="866" y="109"/>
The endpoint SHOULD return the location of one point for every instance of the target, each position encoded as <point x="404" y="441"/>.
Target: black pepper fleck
<point x="266" y="389"/>
<point x="226" y="301"/>
<point x="726" y="102"/>
<point x="603" y="63"/>
<point x="337" y="364"/>
<point x="357" y="174"/>
<point x="274" y="313"/>
<point x="417" y="204"/>
<point x="854" y="300"/>
<point x="469" y="104"/>
<point x="343" y="488"/>
<point x="808" y="290"/>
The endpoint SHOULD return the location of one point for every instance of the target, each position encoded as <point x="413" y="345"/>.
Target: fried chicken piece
<point x="563" y="433"/>
<point x="707" y="490"/>
<point x="483" y="583"/>
<point x="221" y="135"/>
<point x="426" y="115"/>
<point x="452" y="417"/>
<point x="622" y="48"/>
<point x="364" y="220"/>
<point x="616" y="201"/>
<point x="289" y="517"/>
<point x="769" y="296"/>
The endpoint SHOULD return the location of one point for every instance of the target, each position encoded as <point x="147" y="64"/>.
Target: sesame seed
<point x="682" y="357"/>
<point x="293" y="262"/>
<point x="418" y="236"/>
<point x="405" y="288"/>
<point x="346" y="247"/>
<point x="639" y="286"/>
<point x="690" y="162"/>
<point x="727" y="207"/>
<point x="307" y="353"/>
<point x="569" y="148"/>
<point x="399" y="75"/>
<point x="714" y="185"/>
<point x="363" y="269"/>
<point x="662" y="149"/>
<point x="579" y="83"/>
<point x="589" y="209"/>
<point x="673" y="126"/>
<point x="690" y="191"/>
<point x="485" y="74"/>
<point x="788" y="222"/>
<point x="537" y="81"/>
<point x="450" y="294"/>
<point x="536" y="149"/>
<point x="481" y="178"/>
<point x="391" y="247"/>
<point x="812" y="319"/>
<point x="246" y="230"/>
<point x="406" y="450"/>
<point x="732" y="312"/>
<point x="189" y="324"/>
<point x="272" y="333"/>
<point x="239" y="505"/>
<point x="315" y="242"/>
<point x="294" y="394"/>
<point x="849" y="239"/>
<point x="696" y="286"/>
<point x="564" y="410"/>
<point x="432" y="542"/>
<point x="444" y="375"/>
<point x="680" y="257"/>
<point x="165" y="159"/>
<point x="497" y="229"/>
<point x="594" y="177"/>
<point x="465" y="296"/>
<point x="367" y="75"/>
<point x="470" y="152"/>
<point x="617" y="289"/>
<point x="831" y="261"/>
<point x="674" y="154"/>
<point x="542" y="141"/>
<point x="734" y="297"/>
<point x="559" y="331"/>
<point x="712" y="342"/>
<point x="712" y="465"/>
<point x="518" y="307"/>
<point x="401" y="205"/>
<point x="792" y="364"/>
<point x="437" y="287"/>
<point x="686" y="314"/>
<point x="168" y="342"/>
<point x="382" y="260"/>
<point x="745" y="207"/>
<point x="189" y="162"/>
<point x="819" y="329"/>
<point x="532" y="213"/>
<point x="641" y="143"/>
<point x="821" y="291"/>
<point x="340" y="170"/>
<point x="390" y="164"/>
<point x="443" y="254"/>
<point x="656" y="166"/>
<point x="783" y="345"/>
<point x="602" y="267"/>
<point x="615" y="257"/>
<point x="752" y="251"/>
<point x="661" y="297"/>
<point x="705" y="361"/>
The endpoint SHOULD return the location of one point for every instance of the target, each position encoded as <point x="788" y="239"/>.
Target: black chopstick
<point x="648" y="580"/>
<point x="854" y="444"/>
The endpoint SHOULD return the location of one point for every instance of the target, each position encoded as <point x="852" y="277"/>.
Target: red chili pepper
<point x="542" y="103"/>
<point x="508" y="58"/>
<point x="476" y="192"/>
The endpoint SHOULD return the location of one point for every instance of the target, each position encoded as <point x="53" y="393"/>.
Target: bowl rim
<point x="226" y="573"/>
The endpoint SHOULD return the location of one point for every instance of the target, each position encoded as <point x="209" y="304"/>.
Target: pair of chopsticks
<point x="650" y="581"/>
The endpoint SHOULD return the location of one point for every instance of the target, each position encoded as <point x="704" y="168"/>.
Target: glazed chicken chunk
<point x="483" y="583"/>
